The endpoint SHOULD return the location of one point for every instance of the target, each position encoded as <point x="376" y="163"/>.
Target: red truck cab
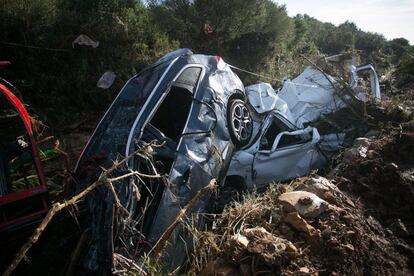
<point x="23" y="192"/>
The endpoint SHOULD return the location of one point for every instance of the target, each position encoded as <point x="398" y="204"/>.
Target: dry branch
<point x="59" y="206"/>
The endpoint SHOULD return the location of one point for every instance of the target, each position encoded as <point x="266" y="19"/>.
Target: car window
<point x="172" y="114"/>
<point x="189" y="77"/>
<point x="276" y="127"/>
<point x="111" y="136"/>
<point x="290" y="140"/>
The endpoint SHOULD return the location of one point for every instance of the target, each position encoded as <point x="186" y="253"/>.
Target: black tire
<point x="240" y="122"/>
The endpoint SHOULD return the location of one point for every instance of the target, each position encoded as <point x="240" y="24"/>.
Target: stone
<point x="298" y="223"/>
<point x="239" y="240"/>
<point x="349" y="247"/>
<point x="305" y="203"/>
<point x="269" y="247"/>
<point x="321" y="187"/>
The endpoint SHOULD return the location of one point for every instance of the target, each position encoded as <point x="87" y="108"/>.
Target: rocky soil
<point x="357" y="220"/>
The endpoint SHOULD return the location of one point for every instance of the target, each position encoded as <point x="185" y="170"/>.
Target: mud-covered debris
<point x="305" y="203"/>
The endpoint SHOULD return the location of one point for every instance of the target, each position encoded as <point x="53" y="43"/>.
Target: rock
<point x="268" y="246"/>
<point x="349" y="247"/>
<point x="321" y="187"/>
<point x="298" y="223"/>
<point x="239" y="240"/>
<point x="305" y="203"/>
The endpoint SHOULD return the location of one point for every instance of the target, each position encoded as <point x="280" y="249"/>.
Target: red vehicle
<point x="23" y="193"/>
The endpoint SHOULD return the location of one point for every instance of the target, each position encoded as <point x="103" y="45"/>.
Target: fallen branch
<point x="59" y="206"/>
<point x="161" y="243"/>
<point x="128" y="265"/>
<point x="351" y="107"/>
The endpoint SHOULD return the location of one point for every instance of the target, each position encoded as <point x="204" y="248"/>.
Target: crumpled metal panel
<point x="200" y="157"/>
<point x="263" y="98"/>
<point x="374" y="82"/>
<point x="309" y="95"/>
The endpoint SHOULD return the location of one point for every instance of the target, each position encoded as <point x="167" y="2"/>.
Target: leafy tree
<point x="245" y="32"/>
<point x="63" y="83"/>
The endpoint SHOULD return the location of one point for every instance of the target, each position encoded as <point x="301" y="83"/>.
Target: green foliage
<point x="244" y="32"/>
<point x="63" y="83"/>
<point x="404" y="72"/>
<point x="257" y="35"/>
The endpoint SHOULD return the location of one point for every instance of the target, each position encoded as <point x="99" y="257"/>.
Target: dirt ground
<point x="364" y="225"/>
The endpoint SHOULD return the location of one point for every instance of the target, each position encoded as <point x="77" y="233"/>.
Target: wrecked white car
<point x="285" y="144"/>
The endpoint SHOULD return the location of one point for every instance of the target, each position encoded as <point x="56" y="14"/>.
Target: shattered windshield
<point x="110" y="138"/>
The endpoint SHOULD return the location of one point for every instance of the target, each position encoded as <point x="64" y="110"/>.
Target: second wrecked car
<point x="285" y="144"/>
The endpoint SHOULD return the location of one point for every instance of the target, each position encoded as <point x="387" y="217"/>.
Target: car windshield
<point x="110" y="138"/>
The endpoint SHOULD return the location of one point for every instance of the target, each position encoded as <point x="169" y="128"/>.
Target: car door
<point x="284" y="152"/>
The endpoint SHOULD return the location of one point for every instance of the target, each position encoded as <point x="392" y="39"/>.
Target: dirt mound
<point x="357" y="223"/>
<point x="383" y="182"/>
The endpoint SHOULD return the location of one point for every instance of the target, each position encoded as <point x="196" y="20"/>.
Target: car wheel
<point x="239" y="122"/>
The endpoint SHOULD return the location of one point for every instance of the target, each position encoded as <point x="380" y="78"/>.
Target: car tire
<point x="240" y="123"/>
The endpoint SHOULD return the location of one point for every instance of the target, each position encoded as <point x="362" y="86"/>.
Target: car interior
<point x="165" y="129"/>
<point x="276" y="127"/>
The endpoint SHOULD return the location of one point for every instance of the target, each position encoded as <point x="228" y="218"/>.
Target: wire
<point x="34" y="47"/>
<point x="252" y="73"/>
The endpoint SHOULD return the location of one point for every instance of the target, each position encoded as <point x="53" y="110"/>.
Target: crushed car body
<point x="284" y="144"/>
<point x="184" y="121"/>
<point x="178" y="110"/>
